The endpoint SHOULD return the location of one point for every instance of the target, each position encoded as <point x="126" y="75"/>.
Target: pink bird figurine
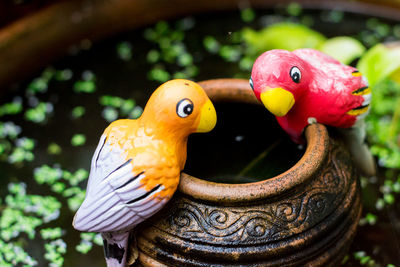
<point x="307" y="86"/>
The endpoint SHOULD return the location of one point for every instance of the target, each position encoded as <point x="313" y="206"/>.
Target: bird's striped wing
<point x="363" y="91"/>
<point x="116" y="197"/>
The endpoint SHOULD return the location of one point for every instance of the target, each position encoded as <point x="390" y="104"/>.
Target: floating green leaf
<point x="9" y="129"/>
<point x="25" y="143"/>
<point x="39" y="113"/>
<point x="13" y="254"/>
<point x="55" y="251"/>
<point x="11" y="108"/>
<point x="51" y="233"/>
<point x="47" y="175"/>
<point x="87" y="240"/>
<point x="343" y="48"/>
<point x="111" y="101"/>
<point x="211" y="44"/>
<point x="124" y="50"/>
<point x="153" y="56"/>
<point x="78" y="112"/>
<point x="294" y="9"/>
<point x="230" y="53"/>
<point x="289" y="36"/>
<point x="54" y="149"/>
<point x="158" y="74"/>
<point x="247" y="14"/>
<point x="136" y="112"/>
<point x="63" y="75"/>
<point x="84" y="86"/>
<point x="127" y="106"/>
<point x="78" y="140"/>
<point x="380" y="62"/>
<point x="110" y="114"/>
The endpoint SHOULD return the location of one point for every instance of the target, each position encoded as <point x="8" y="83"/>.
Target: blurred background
<point x="69" y="68"/>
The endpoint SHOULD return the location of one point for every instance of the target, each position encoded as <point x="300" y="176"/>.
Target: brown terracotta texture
<point x="305" y="216"/>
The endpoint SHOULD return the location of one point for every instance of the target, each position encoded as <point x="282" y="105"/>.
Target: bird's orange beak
<point x="277" y="100"/>
<point x="208" y="118"/>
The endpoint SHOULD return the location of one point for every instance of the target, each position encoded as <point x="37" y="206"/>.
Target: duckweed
<point x="63" y="75"/>
<point x="124" y="50"/>
<point x="55" y="251"/>
<point x="78" y="112"/>
<point x="11" y="108"/>
<point x="211" y="44"/>
<point x="294" y="9"/>
<point x="110" y="114"/>
<point x="247" y="14"/>
<point x="40" y="113"/>
<point x="158" y="74"/>
<point x="78" y="140"/>
<point x="52" y="233"/>
<point x="87" y="240"/>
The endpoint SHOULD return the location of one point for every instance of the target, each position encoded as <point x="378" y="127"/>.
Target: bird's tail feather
<point x="355" y="140"/>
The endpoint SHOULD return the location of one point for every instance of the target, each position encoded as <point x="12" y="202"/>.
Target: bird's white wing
<point x="116" y="198"/>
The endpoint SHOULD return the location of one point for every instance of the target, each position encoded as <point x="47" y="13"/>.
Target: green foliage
<point x="11" y="108"/>
<point x="39" y="113"/>
<point x="211" y="44"/>
<point x="51" y="233"/>
<point x="13" y="254"/>
<point x="116" y="106"/>
<point x="343" y="48"/>
<point x="84" y="86"/>
<point x="124" y="50"/>
<point x="247" y="14"/>
<point x="13" y="149"/>
<point x="294" y="9"/>
<point x="368" y="219"/>
<point x="78" y="112"/>
<point x="63" y="75"/>
<point x="78" y="140"/>
<point x="55" y="251"/>
<point x="87" y="84"/>
<point x="24" y="213"/>
<point x="289" y="36"/>
<point x="87" y="240"/>
<point x="40" y="84"/>
<point x="380" y="62"/>
<point x="364" y="259"/>
<point x="171" y="56"/>
<point x="64" y="183"/>
<point x="384" y="123"/>
<point x="159" y="74"/>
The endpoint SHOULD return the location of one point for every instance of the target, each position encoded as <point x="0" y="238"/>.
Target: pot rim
<point x="238" y="90"/>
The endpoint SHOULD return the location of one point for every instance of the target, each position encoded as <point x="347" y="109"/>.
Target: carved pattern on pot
<point x="268" y="222"/>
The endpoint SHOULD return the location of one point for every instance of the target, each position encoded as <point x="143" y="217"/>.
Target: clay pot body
<point x="304" y="216"/>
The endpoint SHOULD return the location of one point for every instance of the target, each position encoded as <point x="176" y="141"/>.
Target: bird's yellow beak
<point x="277" y="100"/>
<point x="208" y="118"/>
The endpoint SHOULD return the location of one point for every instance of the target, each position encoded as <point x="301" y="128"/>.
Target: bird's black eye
<point x="184" y="108"/>
<point x="295" y="74"/>
<point x="251" y="83"/>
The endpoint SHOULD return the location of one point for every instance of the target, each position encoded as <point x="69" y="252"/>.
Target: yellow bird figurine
<point x="136" y="167"/>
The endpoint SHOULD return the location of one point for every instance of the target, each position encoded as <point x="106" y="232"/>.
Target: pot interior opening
<point x="247" y="145"/>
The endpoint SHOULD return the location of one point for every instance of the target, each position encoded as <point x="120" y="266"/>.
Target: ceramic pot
<point x="305" y="216"/>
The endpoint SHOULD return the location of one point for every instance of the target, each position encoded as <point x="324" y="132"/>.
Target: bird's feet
<point x="311" y="120"/>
